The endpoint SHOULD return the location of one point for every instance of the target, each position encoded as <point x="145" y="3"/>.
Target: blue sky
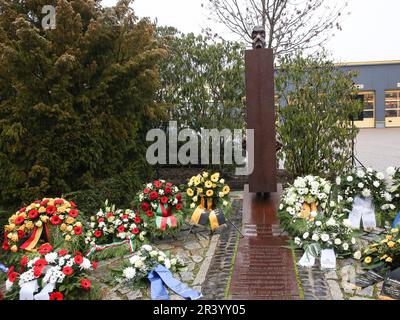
<point x="369" y="32"/>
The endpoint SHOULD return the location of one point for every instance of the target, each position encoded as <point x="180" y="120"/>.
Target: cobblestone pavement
<point x="219" y="274"/>
<point x="379" y="148"/>
<point x="336" y="284"/>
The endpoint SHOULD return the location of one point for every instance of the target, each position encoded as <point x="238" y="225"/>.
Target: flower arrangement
<point x="364" y="183"/>
<point x="328" y="232"/>
<point x="145" y="260"/>
<point x="110" y="225"/>
<point x="42" y="219"/>
<point x="303" y="202"/>
<point x="383" y="253"/>
<point x="161" y="204"/>
<point x="62" y="273"/>
<point x="208" y="186"/>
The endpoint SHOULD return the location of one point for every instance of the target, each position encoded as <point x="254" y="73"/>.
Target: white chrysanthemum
<point x="366" y="193"/>
<point x="325" y="237"/>
<point x="139" y="263"/>
<point x="380" y="176"/>
<point x="345" y="246"/>
<point x="51" y="257"/>
<point x="297" y="241"/>
<point x="377" y="184"/>
<point x="347" y="223"/>
<point x="360" y="174"/>
<point x="349" y="179"/>
<point x="129" y="273"/>
<point x="167" y="263"/>
<point x="331" y="222"/>
<point x="306" y="235"/>
<point x="390" y="171"/>
<point x="361" y="185"/>
<point x="225" y="203"/>
<point x="388" y="197"/>
<point x="357" y="255"/>
<point x="133" y="259"/>
<point x="147" y="247"/>
<point x="315" y="237"/>
<point x="86" y="264"/>
<point x="161" y="192"/>
<point x="222" y="181"/>
<point x="318" y="224"/>
<point x="338" y="242"/>
<point x="299" y="183"/>
<point x="149" y="185"/>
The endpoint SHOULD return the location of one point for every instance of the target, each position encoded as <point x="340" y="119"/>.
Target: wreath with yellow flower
<point x="383" y="253"/>
<point x="45" y="220"/>
<point x="208" y="192"/>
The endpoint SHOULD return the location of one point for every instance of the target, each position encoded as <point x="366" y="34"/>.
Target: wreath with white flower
<point x="145" y="260"/>
<point x="64" y="274"/>
<point x="110" y="225"/>
<point x="302" y="202"/>
<point x="364" y="183"/>
<point x="331" y="231"/>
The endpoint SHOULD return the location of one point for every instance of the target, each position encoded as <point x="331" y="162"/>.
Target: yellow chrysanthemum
<point x="14" y="248"/>
<point x="197" y="181"/>
<point x="396" y="230"/>
<point x="209" y="193"/>
<point x="368" y="260"/>
<point x="391" y="244"/>
<point x="63" y="227"/>
<point x="190" y="192"/>
<point x="29" y="225"/>
<point x="214" y="185"/>
<point x="389" y="237"/>
<point x="70" y="220"/>
<point x="208" y="184"/>
<point x="10" y="227"/>
<point x="205" y="174"/>
<point x="226" y="190"/>
<point x="42" y="210"/>
<point x="68" y="237"/>
<point x="199" y="190"/>
<point x="389" y="260"/>
<point x="215" y="177"/>
<point x="384" y="257"/>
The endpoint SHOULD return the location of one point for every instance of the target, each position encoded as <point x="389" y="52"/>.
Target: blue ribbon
<point x="396" y="221"/>
<point x="3" y="268"/>
<point x="160" y="277"/>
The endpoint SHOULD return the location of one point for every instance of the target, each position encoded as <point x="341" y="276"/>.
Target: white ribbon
<point x="328" y="259"/>
<point x="307" y="260"/>
<point x="364" y="210"/>
<point x="29" y="288"/>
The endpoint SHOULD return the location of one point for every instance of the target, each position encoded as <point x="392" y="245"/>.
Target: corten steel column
<point x="261" y="117"/>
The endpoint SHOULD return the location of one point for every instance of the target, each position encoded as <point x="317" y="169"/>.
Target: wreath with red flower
<point x="43" y="221"/>
<point x="64" y="274"/>
<point x="160" y="204"/>
<point x="111" y="228"/>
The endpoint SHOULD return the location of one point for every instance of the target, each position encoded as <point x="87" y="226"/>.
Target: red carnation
<point x="78" y="259"/>
<point x="121" y="229"/>
<point x="44" y="202"/>
<point x="145" y="206"/>
<point x="12" y="276"/>
<point x="179" y="197"/>
<point x="86" y="284"/>
<point x="41" y="263"/>
<point x="24" y="261"/>
<point x="33" y="214"/>
<point x="37" y="272"/>
<point x="67" y="271"/>
<point x="37" y="201"/>
<point x="94" y="265"/>
<point x="6" y="246"/>
<point x="77" y="253"/>
<point x="56" y="296"/>
<point x="164" y="200"/>
<point x="168" y="190"/>
<point x="72" y="204"/>
<point x="157" y="184"/>
<point x="137" y="220"/>
<point x="73" y="213"/>
<point x="19" y="220"/>
<point x="98" y="233"/>
<point x="135" y="231"/>
<point x="78" y="230"/>
<point x="146" y="190"/>
<point x="22" y="210"/>
<point x="58" y="201"/>
<point x="21" y="234"/>
<point x="110" y="214"/>
<point x="51" y="210"/>
<point x="178" y="206"/>
<point x="55" y="220"/>
<point x="150" y="213"/>
<point x="45" y="249"/>
<point x="153" y="195"/>
<point x="124" y="217"/>
<point x="100" y="220"/>
<point x="168" y="184"/>
<point x="62" y="252"/>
